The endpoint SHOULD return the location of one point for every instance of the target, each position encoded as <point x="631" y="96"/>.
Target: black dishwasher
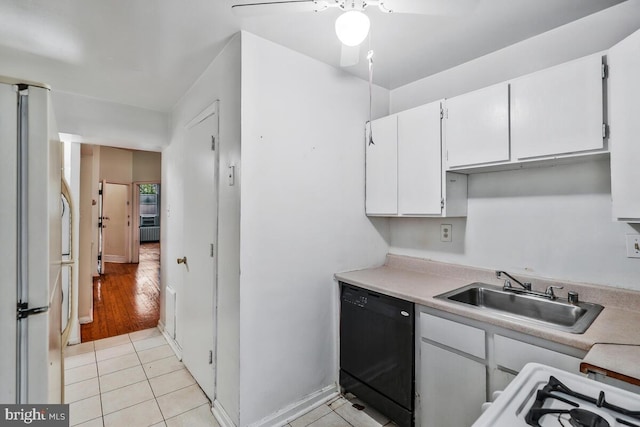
<point x="377" y="351"/>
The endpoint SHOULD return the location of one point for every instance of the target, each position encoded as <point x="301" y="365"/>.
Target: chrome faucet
<point x="526" y="287"/>
<point x="507" y="283"/>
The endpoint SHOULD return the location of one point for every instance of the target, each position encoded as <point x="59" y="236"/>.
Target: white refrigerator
<point x="30" y="246"/>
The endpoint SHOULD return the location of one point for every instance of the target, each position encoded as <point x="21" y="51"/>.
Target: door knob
<point x="182" y="260"/>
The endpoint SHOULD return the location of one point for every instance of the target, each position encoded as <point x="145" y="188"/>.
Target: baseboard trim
<point x="295" y="410"/>
<point x="221" y="415"/>
<point x="172" y="343"/>
<point x="86" y="319"/>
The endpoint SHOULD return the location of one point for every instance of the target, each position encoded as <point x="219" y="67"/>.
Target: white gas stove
<point x="544" y="396"/>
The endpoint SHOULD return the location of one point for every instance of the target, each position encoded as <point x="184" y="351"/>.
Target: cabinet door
<point x="558" y="110"/>
<point x="452" y="388"/>
<point x="624" y="120"/>
<point x="382" y="168"/>
<point x="477" y="127"/>
<point x="419" y="161"/>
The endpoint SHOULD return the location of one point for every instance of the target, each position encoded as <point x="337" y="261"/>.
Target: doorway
<point x="119" y="288"/>
<point x="146" y="216"/>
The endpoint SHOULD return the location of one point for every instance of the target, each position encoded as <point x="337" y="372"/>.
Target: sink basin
<point x="574" y="318"/>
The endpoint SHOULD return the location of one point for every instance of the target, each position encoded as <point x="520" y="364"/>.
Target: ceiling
<point x="147" y="53"/>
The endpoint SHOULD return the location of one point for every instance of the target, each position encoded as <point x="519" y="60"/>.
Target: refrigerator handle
<point x="24" y="311"/>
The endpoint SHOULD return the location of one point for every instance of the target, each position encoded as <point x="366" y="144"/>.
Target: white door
<point x="196" y="308"/>
<point x="116" y="222"/>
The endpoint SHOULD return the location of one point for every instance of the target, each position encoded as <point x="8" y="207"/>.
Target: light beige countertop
<point x="621" y="362"/>
<point x="419" y="280"/>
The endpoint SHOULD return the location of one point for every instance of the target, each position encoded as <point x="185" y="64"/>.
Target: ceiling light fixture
<point x="352" y="27"/>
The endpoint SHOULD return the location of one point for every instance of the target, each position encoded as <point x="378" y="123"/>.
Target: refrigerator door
<point x="39" y="368"/>
<point x="8" y="241"/>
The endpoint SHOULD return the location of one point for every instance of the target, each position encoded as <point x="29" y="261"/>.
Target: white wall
<point x="220" y="81"/>
<point x="116" y="165"/>
<point x="591" y="34"/>
<point x="86" y="233"/>
<point x="72" y="175"/>
<point x="302" y="220"/>
<point x="106" y="123"/>
<point x="550" y="222"/>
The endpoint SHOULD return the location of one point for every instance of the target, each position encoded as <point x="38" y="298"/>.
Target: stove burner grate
<point x="578" y="417"/>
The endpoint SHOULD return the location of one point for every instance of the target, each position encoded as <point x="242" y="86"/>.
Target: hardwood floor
<point x="127" y="298"/>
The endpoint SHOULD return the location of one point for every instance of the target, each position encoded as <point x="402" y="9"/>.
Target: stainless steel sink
<point x="574" y="318"/>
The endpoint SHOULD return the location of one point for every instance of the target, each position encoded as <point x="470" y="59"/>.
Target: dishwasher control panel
<point x="354" y="298"/>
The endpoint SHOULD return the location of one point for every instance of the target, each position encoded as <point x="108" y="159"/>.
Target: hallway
<point x="127" y="298"/>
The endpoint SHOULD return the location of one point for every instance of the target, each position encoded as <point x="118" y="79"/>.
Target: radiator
<point x="149" y="234"/>
<point x="170" y="312"/>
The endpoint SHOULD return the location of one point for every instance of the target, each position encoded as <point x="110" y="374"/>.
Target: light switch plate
<point x="445" y="232"/>
<point x="633" y="245"/>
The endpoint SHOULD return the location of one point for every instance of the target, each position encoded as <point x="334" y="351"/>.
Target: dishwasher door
<point x="377" y="353"/>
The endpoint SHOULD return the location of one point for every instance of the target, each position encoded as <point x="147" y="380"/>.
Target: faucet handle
<point x="549" y="291"/>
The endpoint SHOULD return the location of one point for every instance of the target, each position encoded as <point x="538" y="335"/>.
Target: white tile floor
<point x="132" y="380"/>
<point x="135" y="380"/>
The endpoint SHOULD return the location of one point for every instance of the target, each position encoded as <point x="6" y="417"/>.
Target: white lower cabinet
<point x="452" y="387"/>
<point x="463" y="361"/>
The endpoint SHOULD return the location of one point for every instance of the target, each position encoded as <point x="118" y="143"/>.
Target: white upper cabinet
<point x="382" y="167"/>
<point x="558" y="110"/>
<point x="404" y="167"/>
<point x="624" y="119"/>
<point x="477" y="127"/>
<point x="419" y="161"/>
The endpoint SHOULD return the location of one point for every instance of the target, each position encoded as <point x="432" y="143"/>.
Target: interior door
<point x="116" y="222"/>
<point x="196" y="305"/>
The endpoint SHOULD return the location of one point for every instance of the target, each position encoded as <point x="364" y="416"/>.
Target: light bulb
<point x="352" y="27"/>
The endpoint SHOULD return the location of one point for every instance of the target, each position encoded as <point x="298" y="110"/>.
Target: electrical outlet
<point x="633" y="245"/>
<point x="445" y="232"/>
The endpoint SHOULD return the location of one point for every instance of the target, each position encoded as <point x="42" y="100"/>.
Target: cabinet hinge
<point x="442" y="203"/>
<point x="210" y="357"/>
<point x="605" y="130"/>
<point x="211" y="247"/>
<point x="213" y="143"/>
<point x="605" y="71"/>
<point x="441" y="113"/>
